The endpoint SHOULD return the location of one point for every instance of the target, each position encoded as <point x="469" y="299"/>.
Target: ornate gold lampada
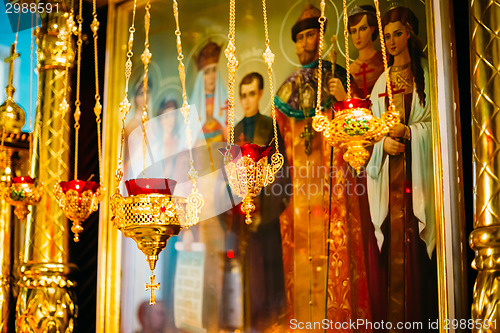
<point x="77" y="198"/>
<point x="21" y="191"/>
<point x="354" y="127"/>
<point x="151" y="214"/>
<point x="250" y="172"/>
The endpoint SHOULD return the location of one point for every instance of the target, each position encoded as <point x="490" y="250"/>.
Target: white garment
<point x="421" y="166"/>
<point x="220" y="101"/>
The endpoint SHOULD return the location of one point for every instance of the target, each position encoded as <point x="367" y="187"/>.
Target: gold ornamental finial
<point x="12" y="116"/>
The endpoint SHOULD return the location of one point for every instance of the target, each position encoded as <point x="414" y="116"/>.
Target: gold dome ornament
<point x="77" y="198"/>
<point x="12" y="116"/>
<point x="250" y="172"/>
<point x="354" y="127"/>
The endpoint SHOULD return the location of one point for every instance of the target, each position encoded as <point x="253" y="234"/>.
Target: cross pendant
<point x="152" y="286"/>
<point x="307" y="135"/>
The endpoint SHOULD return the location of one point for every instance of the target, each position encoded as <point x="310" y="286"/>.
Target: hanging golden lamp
<point x="354" y="127"/>
<point x="78" y="198"/>
<point x="151" y="214"/>
<point x="249" y="172"/>
<point x="21" y="191"/>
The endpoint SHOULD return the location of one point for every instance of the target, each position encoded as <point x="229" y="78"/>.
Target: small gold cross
<point x="152" y="286"/>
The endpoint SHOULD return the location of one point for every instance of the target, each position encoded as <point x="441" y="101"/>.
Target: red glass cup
<point x="150" y="185"/>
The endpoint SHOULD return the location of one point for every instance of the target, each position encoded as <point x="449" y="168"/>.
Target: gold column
<point x="5" y="255"/>
<point x="485" y="86"/>
<point x="46" y="302"/>
<point x="11" y="164"/>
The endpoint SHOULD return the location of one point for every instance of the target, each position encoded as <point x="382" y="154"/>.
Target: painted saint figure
<point x="366" y="69"/>
<point x="318" y="201"/>
<point x="259" y="244"/>
<point x="209" y="94"/>
<point x="400" y="179"/>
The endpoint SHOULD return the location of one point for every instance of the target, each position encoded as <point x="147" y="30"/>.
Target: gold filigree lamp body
<point x="77" y="198"/>
<point x="151" y="214"/>
<point x="248" y="173"/>
<point x="21" y="193"/>
<point x="354" y="127"/>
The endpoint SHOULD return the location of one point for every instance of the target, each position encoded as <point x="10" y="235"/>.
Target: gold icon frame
<point x="450" y="220"/>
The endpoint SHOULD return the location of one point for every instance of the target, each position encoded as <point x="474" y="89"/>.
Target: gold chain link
<point x="182" y="75"/>
<point x="321" y="20"/>
<point x="97" y="107"/>
<point x="78" y="113"/>
<point x="269" y="59"/>
<point x="125" y="104"/>
<point x="384" y="55"/>
<point x="146" y="58"/>
<point x="64" y="106"/>
<point x="31" y="136"/>
<point x="346" y="41"/>
<point x="195" y="199"/>
<point x="232" y="66"/>
<point x="35" y="136"/>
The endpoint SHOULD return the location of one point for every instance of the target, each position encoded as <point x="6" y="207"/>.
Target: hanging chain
<point x="30" y="153"/>
<point x="185" y="109"/>
<point x="195" y="199"/>
<point x="78" y="113"/>
<point x="346" y="41"/>
<point x="232" y="66"/>
<point x="269" y="59"/>
<point x="384" y="56"/>
<point x="64" y="106"/>
<point x="146" y="59"/>
<point x="37" y="126"/>
<point x="97" y="107"/>
<point x="321" y="20"/>
<point x="125" y="103"/>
